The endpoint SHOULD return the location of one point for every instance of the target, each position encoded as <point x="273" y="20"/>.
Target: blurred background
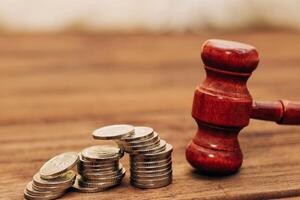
<point x="68" y="67"/>
<point x="157" y="16"/>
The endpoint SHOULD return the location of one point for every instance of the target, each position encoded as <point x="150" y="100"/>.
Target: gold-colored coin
<point x="113" y="132"/>
<point x="58" y="165"/>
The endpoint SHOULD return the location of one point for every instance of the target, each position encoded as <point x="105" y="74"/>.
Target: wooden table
<point x="56" y="89"/>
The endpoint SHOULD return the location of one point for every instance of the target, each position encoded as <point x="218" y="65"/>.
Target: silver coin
<point x="151" y="168"/>
<point x="54" y="189"/>
<point x="113" y="132"/>
<point x="145" y="176"/>
<point x="59" y="165"/>
<point x="140" y="132"/>
<point x="94" y="171"/>
<point x="96" y="174"/>
<point x="152" y="185"/>
<point x="98" y="167"/>
<point x="102" y="167"/>
<point x="110" y="178"/>
<point x="151" y="179"/>
<point x="151" y="159"/>
<point x="143" y="146"/>
<point x="101" y="152"/>
<point x="151" y="163"/>
<point x="155" y="149"/>
<point x="30" y="190"/>
<point x="103" y="182"/>
<point x="104" y="161"/>
<point x="152" y="139"/>
<point x="32" y="194"/>
<point x="66" y="179"/>
<point x="150" y="172"/>
<point x="83" y="189"/>
<point x="154" y="156"/>
<point x="100" y="184"/>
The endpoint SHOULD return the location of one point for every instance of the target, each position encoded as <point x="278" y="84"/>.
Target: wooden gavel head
<point x="222" y="106"/>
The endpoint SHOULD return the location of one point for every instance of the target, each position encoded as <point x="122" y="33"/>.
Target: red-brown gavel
<point x="223" y="106"/>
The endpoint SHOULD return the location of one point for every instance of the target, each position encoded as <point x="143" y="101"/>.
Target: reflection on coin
<point x="161" y="146"/>
<point x="140" y="132"/>
<point x="66" y="179"/>
<point x="58" y="165"/>
<point x="101" y="152"/>
<point x="113" y="132"/>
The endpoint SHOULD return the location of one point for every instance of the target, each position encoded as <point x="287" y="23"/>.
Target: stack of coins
<point x="143" y="139"/>
<point x="152" y="170"/>
<point x="150" y="157"/>
<point x="54" y="178"/>
<point x="99" y="168"/>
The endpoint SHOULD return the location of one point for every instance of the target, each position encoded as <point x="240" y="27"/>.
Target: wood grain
<point x="56" y="89"/>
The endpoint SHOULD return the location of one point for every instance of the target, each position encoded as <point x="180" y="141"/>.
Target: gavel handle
<point x="281" y="111"/>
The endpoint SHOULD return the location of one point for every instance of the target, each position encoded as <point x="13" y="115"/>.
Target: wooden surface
<point x="55" y="90"/>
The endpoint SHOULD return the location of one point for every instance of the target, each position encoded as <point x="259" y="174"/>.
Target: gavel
<point x="223" y="106"/>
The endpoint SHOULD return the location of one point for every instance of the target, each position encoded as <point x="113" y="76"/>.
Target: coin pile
<point x="54" y="178"/>
<point x="150" y="156"/>
<point x="99" y="168"/>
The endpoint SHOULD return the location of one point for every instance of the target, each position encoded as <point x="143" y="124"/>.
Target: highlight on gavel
<point x="223" y="106"/>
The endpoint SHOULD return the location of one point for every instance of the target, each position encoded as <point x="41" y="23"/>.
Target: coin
<point x="103" y="182"/>
<point x="154" y="156"/>
<point x="101" y="152"/>
<point x="113" y="132"/>
<point x="159" y="147"/>
<point x="54" y="189"/>
<point x="152" y="184"/>
<point x="101" y="174"/>
<point x="80" y="188"/>
<point x="140" y="132"/>
<point x="84" y="170"/>
<point x="154" y="176"/>
<point x="152" y="139"/>
<point x="59" y="165"/>
<point x="155" y="167"/>
<point x="153" y="172"/>
<point x="142" y="146"/>
<point x="31" y="193"/>
<point x="150" y="162"/>
<point x="66" y="179"/>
